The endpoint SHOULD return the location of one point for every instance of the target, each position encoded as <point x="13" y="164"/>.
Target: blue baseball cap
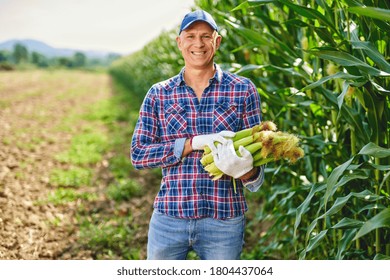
<point x="198" y="15"/>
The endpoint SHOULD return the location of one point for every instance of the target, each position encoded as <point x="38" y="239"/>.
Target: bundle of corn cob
<point x="264" y="142"/>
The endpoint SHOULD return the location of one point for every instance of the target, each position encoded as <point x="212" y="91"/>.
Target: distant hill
<point x="49" y="51"/>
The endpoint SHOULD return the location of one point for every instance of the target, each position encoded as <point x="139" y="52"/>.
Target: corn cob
<point x="249" y="132"/>
<point x="264" y="142"/>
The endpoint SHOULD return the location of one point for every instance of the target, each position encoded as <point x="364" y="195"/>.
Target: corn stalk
<point x="321" y="63"/>
<point x="321" y="68"/>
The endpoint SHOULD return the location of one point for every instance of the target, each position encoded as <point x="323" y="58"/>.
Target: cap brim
<point x="189" y="24"/>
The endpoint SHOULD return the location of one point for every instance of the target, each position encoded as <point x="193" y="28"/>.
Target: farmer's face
<point x="198" y="45"/>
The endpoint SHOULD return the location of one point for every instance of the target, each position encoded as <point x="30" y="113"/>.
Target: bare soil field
<point x="38" y="118"/>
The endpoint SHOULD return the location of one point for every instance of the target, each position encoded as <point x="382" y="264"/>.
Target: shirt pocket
<point x="176" y="118"/>
<point x="225" y="117"/>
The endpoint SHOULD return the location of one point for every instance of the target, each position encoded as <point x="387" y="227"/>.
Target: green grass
<point x="124" y="189"/>
<point x="120" y="166"/>
<point x="72" y="177"/>
<point x="86" y="148"/>
<point x="109" y="238"/>
<point x="66" y="195"/>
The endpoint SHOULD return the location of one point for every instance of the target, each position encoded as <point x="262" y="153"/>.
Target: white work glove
<point x="230" y="163"/>
<point x="200" y="141"/>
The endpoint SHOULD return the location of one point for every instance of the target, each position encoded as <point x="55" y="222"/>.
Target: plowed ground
<point x="40" y="112"/>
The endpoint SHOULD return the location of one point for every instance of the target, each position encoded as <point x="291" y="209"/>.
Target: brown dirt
<point x="35" y="125"/>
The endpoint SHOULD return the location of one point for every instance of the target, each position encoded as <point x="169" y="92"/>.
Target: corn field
<point x="322" y="71"/>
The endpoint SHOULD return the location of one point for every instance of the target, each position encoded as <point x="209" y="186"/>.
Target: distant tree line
<point x="20" y="56"/>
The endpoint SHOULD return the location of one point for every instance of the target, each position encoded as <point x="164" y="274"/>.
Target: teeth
<point x="198" y="53"/>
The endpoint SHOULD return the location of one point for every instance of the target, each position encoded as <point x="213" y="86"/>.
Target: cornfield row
<point x="322" y="70"/>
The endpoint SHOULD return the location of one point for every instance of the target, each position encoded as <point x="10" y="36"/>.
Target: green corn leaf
<point x="381" y="257"/>
<point x="380" y="89"/>
<point x="340" y="98"/>
<point x="348" y="60"/>
<point x="371" y="207"/>
<point x="279" y="43"/>
<point x="313" y="243"/>
<point x="305" y="205"/>
<point x="288" y="71"/>
<point x="377" y="13"/>
<point x="296" y="23"/>
<point x="310" y="13"/>
<point x="373" y="114"/>
<point x="243" y="6"/>
<point x="372" y="52"/>
<point x="327" y="10"/>
<point x="344" y="243"/>
<point x="380" y="167"/>
<point x="345" y="179"/>
<point x="252" y="35"/>
<point x="347" y="223"/>
<point x="339" y="75"/>
<point x="337" y="205"/>
<point x="378" y="221"/>
<point x="354" y="119"/>
<point x="385" y="178"/>
<point x="353" y="3"/>
<point x="249" y="68"/>
<point x="251" y="3"/>
<point x="349" y="177"/>
<point x="334" y="177"/>
<point x="329" y="95"/>
<point x="367" y="196"/>
<point x="374" y="150"/>
<point x="324" y="34"/>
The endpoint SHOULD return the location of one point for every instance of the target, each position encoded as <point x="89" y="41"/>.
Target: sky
<point x="121" y="26"/>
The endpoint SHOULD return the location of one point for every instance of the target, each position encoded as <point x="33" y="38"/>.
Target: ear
<point x="178" y="41"/>
<point x="218" y="41"/>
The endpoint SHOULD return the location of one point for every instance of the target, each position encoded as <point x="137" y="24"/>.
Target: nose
<point x="199" y="42"/>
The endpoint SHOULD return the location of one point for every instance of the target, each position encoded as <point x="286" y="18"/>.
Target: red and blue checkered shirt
<point x="170" y="114"/>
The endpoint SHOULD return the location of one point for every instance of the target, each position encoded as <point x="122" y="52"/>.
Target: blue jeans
<point x="171" y="238"/>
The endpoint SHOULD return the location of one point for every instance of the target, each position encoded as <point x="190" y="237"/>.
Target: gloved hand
<point x="230" y="163"/>
<point x="200" y="141"/>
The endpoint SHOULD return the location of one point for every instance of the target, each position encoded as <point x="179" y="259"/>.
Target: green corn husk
<point x="253" y="147"/>
<point x="267" y="125"/>
<point x="246" y="141"/>
<point x="264" y="142"/>
<point x="245" y="133"/>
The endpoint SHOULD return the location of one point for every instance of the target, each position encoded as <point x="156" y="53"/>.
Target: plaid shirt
<point x="170" y="114"/>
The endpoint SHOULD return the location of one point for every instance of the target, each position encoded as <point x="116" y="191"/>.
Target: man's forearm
<point x="251" y="174"/>
<point x="187" y="148"/>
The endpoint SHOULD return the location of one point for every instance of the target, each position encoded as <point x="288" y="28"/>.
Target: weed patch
<point x="72" y="177"/>
<point x="86" y="148"/>
<point x="110" y="239"/>
<point x="66" y="195"/>
<point x="124" y="189"/>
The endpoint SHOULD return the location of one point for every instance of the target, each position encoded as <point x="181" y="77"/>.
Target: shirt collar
<point x="180" y="78"/>
<point x="217" y="76"/>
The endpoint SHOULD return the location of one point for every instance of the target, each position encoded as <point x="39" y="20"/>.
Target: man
<point x="178" y="118"/>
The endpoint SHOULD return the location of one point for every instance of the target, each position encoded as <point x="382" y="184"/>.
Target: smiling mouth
<point x="198" y="53"/>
